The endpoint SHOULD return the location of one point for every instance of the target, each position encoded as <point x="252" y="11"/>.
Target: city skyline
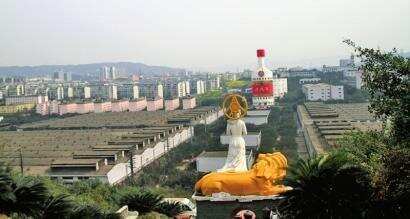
<point x="197" y="35"/>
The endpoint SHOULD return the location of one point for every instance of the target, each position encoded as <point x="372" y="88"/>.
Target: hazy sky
<point x="196" y="34"/>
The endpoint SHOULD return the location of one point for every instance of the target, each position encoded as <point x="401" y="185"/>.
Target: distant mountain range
<point x="84" y="70"/>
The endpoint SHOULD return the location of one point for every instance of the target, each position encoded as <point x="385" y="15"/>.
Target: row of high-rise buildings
<point x="62" y="76"/>
<point x="57" y="89"/>
<point x="60" y="97"/>
<point x="108" y="73"/>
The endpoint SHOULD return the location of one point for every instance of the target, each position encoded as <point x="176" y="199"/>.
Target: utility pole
<point x="131" y="155"/>
<point x="21" y="161"/>
<point x="191" y="130"/>
<point x="206" y="132"/>
<point x="205" y="124"/>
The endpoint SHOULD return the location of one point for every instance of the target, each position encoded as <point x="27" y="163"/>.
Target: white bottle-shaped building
<point x="262" y="84"/>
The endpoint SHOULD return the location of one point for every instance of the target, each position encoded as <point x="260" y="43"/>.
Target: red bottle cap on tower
<point x="260" y="53"/>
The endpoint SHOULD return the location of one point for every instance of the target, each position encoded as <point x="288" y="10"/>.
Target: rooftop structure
<point x="95" y="145"/>
<point x="289" y="73"/>
<point x="201" y="115"/>
<point x="309" y="80"/>
<point x="323" y="124"/>
<point x="257" y="117"/>
<point x="107" y="119"/>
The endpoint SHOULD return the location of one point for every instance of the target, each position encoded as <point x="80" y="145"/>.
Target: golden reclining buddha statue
<point x="261" y="179"/>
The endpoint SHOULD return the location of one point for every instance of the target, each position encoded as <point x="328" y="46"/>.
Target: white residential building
<point x="280" y="87"/>
<point x="329" y="69"/>
<point x="87" y="92"/>
<point x="113" y="73"/>
<point x="199" y="87"/>
<point x="187" y="88"/>
<point x="349" y="73"/>
<point x="112" y="92"/>
<point x="104" y="74"/>
<point x="135" y="92"/>
<point x="70" y="92"/>
<point x="322" y="91"/>
<point x="181" y="89"/>
<point x="60" y="93"/>
<point x="214" y="83"/>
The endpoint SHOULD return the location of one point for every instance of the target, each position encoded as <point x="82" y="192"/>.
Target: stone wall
<point x="213" y="208"/>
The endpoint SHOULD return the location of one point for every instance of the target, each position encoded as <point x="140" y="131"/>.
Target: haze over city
<point x="213" y="35"/>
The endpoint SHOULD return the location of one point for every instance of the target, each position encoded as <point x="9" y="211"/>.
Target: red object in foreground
<point x="260" y="53"/>
<point x="262" y="89"/>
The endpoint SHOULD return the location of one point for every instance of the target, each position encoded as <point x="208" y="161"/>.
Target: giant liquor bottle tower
<point x="262" y="84"/>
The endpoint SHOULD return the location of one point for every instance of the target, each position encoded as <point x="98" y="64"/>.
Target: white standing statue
<point x="236" y="159"/>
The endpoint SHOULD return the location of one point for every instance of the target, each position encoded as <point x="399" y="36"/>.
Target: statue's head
<point x="236" y="115"/>
<point x="234" y="106"/>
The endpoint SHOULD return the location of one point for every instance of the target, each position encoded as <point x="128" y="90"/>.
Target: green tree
<point x="389" y="168"/>
<point x="238" y="84"/>
<point x="327" y="186"/>
<point x="6" y="190"/>
<point x="143" y="202"/>
<point x="22" y="196"/>
<point x="386" y="78"/>
<point x="30" y="196"/>
<point x="365" y="149"/>
<point x="393" y="183"/>
<point x="171" y="209"/>
<point x="56" y="207"/>
<point x="90" y="211"/>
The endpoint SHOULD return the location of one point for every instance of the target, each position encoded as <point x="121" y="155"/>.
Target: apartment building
<point x="33" y="99"/>
<point x="151" y="89"/>
<point x="198" y="87"/>
<point x="280" y="87"/>
<point x="171" y="104"/>
<point x="155" y="104"/>
<point x="189" y="103"/>
<point x="138" y="104"/>
<point x="127" y="91"/>
<point x="323" y="92"/>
